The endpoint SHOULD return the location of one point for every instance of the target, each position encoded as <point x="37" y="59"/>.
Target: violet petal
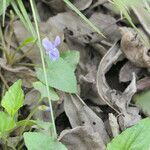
<point x="54" y="54"/>
<point x="57" y="41"/>
<point x="47" y="44"/>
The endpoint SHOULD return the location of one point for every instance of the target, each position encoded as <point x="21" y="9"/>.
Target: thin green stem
<point x="26" y="17"/>
<point x="27" y="119"/>
<point x="25" y="54"/>
<point x="11" y="145"/>
<point x="5" y="144"/>
<point x="36" y="12"/>
<point x="19" y="14"/>
<point x="23" y="128"/>
<point x="4" y="11"/>
<point x="44" y="68"/>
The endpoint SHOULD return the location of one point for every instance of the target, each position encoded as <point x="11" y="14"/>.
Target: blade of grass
<point x="83" y="17"/>
<point x="26" y="17"/>
<point x="17" y="11"/>
<point x="4" y="11"/>
<point x="147" y="5"/>
<point x="44" y="67"/>
<point x="23" y="15"/>
<point x="36" y="12"/>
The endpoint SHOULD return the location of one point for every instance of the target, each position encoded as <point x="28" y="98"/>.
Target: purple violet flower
<point x="51" y="47"/>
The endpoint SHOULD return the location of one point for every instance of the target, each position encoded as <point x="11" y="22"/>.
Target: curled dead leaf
<point x="134" y="49"/>
<point x="114" y="98"/>
<point x="126" y="71"/>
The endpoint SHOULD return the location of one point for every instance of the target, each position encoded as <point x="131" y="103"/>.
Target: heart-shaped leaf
<point x="42" y="89"/>
<point x="6" y="123"/>
<point x="134" y="138"/>
<point x="72" y="57"/>
<point x="60" y="75"/>
<point x="39" y="141"/>
<point x="13" y="98"/>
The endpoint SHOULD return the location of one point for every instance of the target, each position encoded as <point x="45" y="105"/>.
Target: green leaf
<point x="44" y="125"/>
<point x="72" y="57"/>
<point x="6" y="123"/>
<point x="142" y="100"/>
<point x="27" y="41"/>
<point x="43" y="90"/>
<point x="13" y="98"/>
<point x="60" y="75"/>
<point x="26" y="123"/>
<point x="39" y="141"/>
<point x="134" y="138"/>
<point x="1" y="6"/>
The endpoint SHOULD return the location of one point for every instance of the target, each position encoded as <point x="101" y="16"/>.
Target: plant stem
<point x="27" y="119"/>
<point x="5" y="144"/>
<point x="44" y="68"/>
<point x="4" y="11"/>
<point x="24" y="55"/>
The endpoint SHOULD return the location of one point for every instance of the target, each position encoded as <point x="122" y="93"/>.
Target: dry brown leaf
<point x="126" y="71"/>
<point x="44" y="11"/>
<point x="32" y="100"/>
<point x="72" y="22"/>
<point x="86" y="70"/>
<point x="14" y="73"/>
<point x="110" y="58"/>
<point x="80" y="114"/>
<point x="143" y="15"/>
<point x="134" y="49"/>
<point x="115" y="99"/>
<point x="55" y="5"/>
<point x="16" y="69"/>
<point x="21" y="34"/>
<point x="130" y="115"/>
<point x="82" y="4"/>
<point x="81" y="32"/>
<point x="106" y="24"/>
<point x="97" y="3"/>
<point x="113" y="125"/>
<point x="99" y="48"/>
<point x="81" y="138"/>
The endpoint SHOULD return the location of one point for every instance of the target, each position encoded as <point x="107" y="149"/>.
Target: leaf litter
<point x="100" y="111"/>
